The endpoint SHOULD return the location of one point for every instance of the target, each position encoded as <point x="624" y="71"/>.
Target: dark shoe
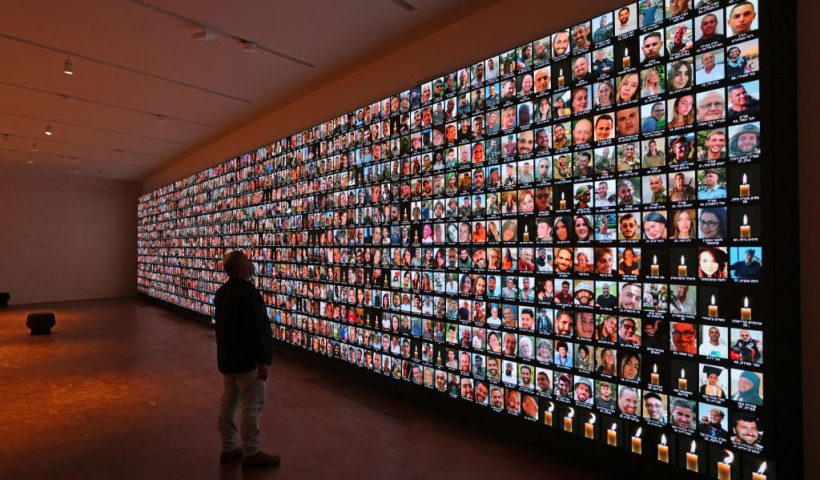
<point x="261" y="459"/>
<point x="230" y="456"/>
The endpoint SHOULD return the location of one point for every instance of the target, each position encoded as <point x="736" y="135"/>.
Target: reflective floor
<point x="125" y="389"/>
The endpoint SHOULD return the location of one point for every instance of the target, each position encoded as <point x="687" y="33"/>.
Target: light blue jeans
<point x="246" y="393"/>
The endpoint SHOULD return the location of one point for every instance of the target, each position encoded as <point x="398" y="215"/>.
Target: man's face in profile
<point x="651" y="47"/>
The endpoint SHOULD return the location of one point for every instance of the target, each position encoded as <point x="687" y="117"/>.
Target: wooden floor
<point x="128" y="390"/>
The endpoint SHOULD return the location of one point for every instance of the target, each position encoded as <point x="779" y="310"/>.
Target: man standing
<point x="244" y="351"/>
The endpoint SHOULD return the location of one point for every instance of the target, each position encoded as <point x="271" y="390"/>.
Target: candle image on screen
<point x="568" y="420"/>
<point x="682" y="382"/>
<point x="561" y="82"/>
<point x="612" y="436"/>
<point x="692" y="458"/>
<point x="562" y="204"/>
<point x="713" y="308"/>
<point x="654" y="378"/>
<point x="663" y="450"/>
<point x="548" y="414"/>
<point x="760" y="474"/>
<point x="682" y="267"/>
<point x="654" y="269"/>
<point x="589" y="427"/>
<point x="725" y="467"/>
<point x="626" y="61"/>
<point x="745" y="311"/>
<point x="636" y="441"/>
<point x="745" y="229"/>
<point x="745" y="190"/>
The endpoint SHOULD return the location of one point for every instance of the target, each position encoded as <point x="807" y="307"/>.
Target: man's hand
<point x="262" y="372"/>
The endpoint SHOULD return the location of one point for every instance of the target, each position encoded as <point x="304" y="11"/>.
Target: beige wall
<point x="66" y="237"/>
<point x="442" y="50"/>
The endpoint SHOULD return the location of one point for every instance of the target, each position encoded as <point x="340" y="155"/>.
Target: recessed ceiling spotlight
<point x="249" y="47"/>
<point x="205" y="34"/>
<point x="49" y="131"/>
<point x="68" y="67"/>
<point x="35" y="147"/>
<point x="30" y="160"/>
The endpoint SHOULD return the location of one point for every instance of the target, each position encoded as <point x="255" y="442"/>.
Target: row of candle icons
<point x="692" y="463"/>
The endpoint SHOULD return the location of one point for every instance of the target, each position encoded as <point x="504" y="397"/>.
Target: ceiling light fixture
<point x="35" y="147"/>
<point x="249" y="47"/>
<point x="203" y="35"/>
<point x="68" y="67"/>
<point x="49" y="131"/>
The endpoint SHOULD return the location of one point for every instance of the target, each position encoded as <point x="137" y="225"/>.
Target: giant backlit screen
<point x="567" y="232"/>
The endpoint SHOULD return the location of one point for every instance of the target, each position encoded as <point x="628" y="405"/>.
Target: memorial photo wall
<point x="567" y="233"/>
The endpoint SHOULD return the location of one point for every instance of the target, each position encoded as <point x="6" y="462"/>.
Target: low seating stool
<point x="41" y="323"/>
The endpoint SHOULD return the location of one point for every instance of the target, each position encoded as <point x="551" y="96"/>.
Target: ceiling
<point x="144" y="91"/>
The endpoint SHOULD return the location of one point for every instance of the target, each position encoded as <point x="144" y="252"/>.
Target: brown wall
<point x="509" y="23"/>
<point x="66" y="237"/>
<point x="445" y="49"/>
<point x="808" y="77"/>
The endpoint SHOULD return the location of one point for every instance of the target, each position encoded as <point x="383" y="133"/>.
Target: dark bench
<point x="41" y="323"/>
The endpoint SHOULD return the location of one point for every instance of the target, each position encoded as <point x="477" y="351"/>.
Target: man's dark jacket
<point x="243" y="331"/>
